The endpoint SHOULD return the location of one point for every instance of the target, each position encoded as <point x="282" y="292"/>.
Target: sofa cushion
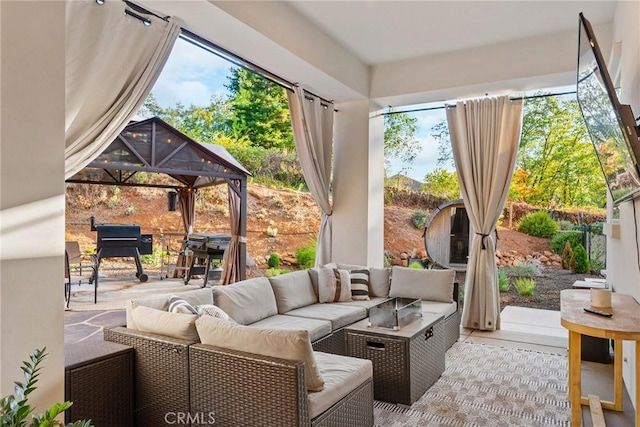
<point x="379" y="281"/>
<point x="339" y="314"/>
<point x="341" y="376"/>
<point x="283" y="344"/>
<point x="313" y="275"/>
<point x="247" y="301"/>
<point x="194" y="297"/>
<point x="317" y="328"/>
<point x="177" y="325"/>
<point x="293" y="290"/>
<point x="444" y="308"/>
<point x="430" y="284"/>
<point x="359" y="284"/>
<point x="333" y="285"/>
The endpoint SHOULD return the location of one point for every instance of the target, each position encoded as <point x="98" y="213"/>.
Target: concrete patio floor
<point x="524" y="328"/>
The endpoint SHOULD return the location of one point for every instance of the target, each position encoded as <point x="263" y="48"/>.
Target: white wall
<point x="358" y="205"/>
<point x="504" y="68"/>
<point x="32" y="102"/>
<point x="623" y="268"/>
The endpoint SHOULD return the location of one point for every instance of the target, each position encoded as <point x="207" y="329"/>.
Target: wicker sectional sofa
<point x="187" y="368"/>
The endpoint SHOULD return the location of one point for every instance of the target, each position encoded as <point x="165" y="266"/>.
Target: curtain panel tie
<point x="484" y="236"/>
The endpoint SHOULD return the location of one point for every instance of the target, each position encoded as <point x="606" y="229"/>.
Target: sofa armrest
<point x="161" y="373"/>
<point x="239" y="388"/>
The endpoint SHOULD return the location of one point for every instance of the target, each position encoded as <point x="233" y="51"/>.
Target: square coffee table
<point x="406" y="362"/>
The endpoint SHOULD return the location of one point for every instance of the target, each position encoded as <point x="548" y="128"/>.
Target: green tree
<point x="202" y="123"/>
<point x="399" y="139"/>
<point x="440" y="132"/>
<point x="442" y="183"/>
<point x="557" y="155"/>
<point x="259" y="110"/>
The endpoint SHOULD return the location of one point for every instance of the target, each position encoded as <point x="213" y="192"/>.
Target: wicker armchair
<point x="161" y="379"/>
<point x="246" y="389"/>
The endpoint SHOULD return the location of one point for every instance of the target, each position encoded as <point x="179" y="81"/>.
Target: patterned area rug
<point x="489" y="386"/>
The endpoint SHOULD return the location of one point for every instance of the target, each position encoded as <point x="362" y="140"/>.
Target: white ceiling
<point x="385" y="31"/>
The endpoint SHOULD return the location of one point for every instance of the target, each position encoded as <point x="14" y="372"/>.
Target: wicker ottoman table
<point x="99" y="382"/>
<point x="405" y="362"/>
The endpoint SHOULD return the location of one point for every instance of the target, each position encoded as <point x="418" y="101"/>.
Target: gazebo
<point x="152" y="153"/>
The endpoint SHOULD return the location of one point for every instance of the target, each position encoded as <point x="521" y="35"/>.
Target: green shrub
<point x="270" y="272"/>
<point x="521" y="270"/>
<point x="538" y="224"/>
<point x="503" y="281"/>
<point x="417" y="265"/>
<point x="564" y="225"/>
<point x="154" y="258"/>
<point x="580" y="263"/>
<point x="272" y="231"/>
<point x="567" y="255"/>
<point x="597" y="228"/>
<point x="525" y="286"/>
<point x="274" y="260"/>
<point x="306" y="257"/>
<point x="388" y="258"/>
<point x="418" y="218"/>
<point x="561" y="237"/>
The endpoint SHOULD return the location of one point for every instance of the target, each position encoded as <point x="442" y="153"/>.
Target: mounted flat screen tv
<point x="611" y="125"/>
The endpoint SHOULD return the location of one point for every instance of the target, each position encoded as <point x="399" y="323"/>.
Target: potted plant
<point x="14" y="409"/>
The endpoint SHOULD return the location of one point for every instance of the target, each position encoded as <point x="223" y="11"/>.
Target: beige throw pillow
<point x="430" y="284"/>
<point x="334" y="285"/>
<point x="177" y="325"/>
<point x="283" y="344"/>
<point x="213" y="310"/>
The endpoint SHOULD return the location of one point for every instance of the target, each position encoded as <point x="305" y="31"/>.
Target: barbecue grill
<point x="122" y="240"/>
<point x="205" y="248"/>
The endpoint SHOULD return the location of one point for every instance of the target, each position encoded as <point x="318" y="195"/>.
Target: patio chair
<point x="74" y="262"/>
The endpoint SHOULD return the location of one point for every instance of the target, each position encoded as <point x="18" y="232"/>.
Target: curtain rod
<point x="442" y="107"/>
<point x="223" y="53"/>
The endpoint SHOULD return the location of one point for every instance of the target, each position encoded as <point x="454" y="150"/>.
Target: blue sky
<point x="193" y="75"/>
<point x="426" y="159"/>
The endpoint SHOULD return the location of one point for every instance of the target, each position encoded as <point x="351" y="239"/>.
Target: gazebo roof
<point x="154" y="146"/>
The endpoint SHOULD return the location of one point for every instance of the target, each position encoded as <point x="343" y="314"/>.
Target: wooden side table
<point x="99" y="382"/>
<point x="623" y="325"/>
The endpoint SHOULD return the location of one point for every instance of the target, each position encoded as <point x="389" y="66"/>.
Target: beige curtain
<point x="484" y="136"/>
<point x="112" y="61"/>
<point x="312" y="123"/>
<point x="231" y="261"/>
<point x="187" y="200"/>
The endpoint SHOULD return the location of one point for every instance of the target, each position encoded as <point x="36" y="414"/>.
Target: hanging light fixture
<point x="172" y="200"/>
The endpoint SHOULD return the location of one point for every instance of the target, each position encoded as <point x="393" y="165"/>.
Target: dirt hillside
<point x="294" y="215"/>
